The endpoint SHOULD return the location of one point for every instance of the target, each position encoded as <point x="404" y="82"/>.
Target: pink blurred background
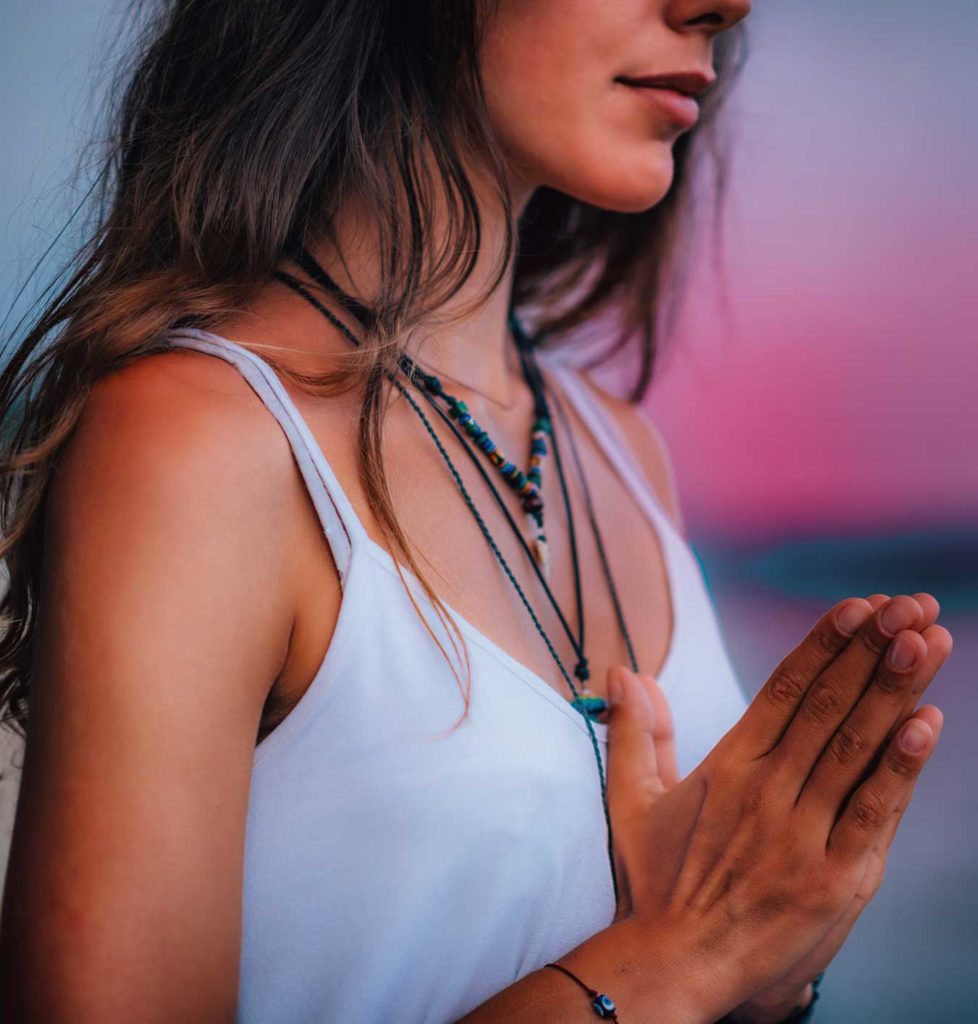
<point x="839" y="386"/>
<point x="819" y="399"/>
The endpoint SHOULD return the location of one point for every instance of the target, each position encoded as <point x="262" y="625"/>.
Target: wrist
<point x="663" y="978"/>
<point x="801" y="1013"/>
<point x="773" y="1010"/>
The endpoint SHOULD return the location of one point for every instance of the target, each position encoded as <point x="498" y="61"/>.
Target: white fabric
<point x="397" y="871"/>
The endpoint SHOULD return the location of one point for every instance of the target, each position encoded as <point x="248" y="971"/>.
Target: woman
<point x="237" y="513"/>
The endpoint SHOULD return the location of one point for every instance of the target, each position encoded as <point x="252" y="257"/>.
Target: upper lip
<point x="692" y="83"/>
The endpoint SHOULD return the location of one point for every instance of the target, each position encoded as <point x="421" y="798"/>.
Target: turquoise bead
<point x="590" y="706"/>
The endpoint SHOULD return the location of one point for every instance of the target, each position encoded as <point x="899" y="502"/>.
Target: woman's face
<point x="552" y="71"/>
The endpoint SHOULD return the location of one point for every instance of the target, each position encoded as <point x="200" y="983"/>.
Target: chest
<point x="463" y="571"/>
<point x="429" y="856"/>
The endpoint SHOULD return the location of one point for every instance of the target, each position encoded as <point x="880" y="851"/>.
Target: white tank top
<point x="396" y="870"/>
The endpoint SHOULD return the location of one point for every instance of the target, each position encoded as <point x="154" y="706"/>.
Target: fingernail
<point x="851" y="617"/>
<point x="902" y="653"/>
<point x="614" y="689"/>
<point x="896" y="617"/>
<point x="913" y="739"/>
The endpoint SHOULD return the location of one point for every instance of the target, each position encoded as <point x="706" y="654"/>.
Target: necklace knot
<point x="582" y="670"/>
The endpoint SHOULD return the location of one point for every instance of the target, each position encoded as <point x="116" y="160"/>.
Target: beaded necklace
<point x="586" y="703"/>
<point x="527" y="485"/>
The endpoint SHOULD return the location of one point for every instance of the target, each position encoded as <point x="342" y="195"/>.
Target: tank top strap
<point x="610" y="438"/>
<point x="340" y="522"/>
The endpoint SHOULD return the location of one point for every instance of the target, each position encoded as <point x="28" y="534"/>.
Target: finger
<point x="928" y="603"/>
<point x="865" y="731"/>
<point x="663" y="731"/>
<point x="633" y="770"/>
<point x="871" y="881"/>
<point x="945" y="640"/>
<point x="833" y="695"/>
<point x="934" y="717"/>
<point x="633" y="780"/>
<point x="764" y="721"/>
<point x="930" y="606"/>
<point x="866" y="816"/>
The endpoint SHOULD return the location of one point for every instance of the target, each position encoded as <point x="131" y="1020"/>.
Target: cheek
<point x="561" y="119"/>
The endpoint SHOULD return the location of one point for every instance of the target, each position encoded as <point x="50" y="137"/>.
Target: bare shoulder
<point x="175" y="465"/>
<point x="164" y="613"/>
<point x="647" y="443"/>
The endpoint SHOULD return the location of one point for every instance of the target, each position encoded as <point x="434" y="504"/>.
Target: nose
<point x="713" y="15"/>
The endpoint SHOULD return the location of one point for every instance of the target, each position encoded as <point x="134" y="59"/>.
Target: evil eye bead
<point x="604" y="1006"/>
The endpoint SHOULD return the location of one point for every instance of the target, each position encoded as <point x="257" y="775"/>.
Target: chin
<point x="626" y="183"/>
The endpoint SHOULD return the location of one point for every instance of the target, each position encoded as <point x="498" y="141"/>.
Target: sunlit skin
<point x="550" y="70"/>
<point x="566" y="123"/>
<point x="563" y="121"/>
<point x="932" y="646"/>
<point x="127" y="603"/>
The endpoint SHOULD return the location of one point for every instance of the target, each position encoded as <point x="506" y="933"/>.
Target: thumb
<point x="664" y="732"/>
<point x="633" y="768"/>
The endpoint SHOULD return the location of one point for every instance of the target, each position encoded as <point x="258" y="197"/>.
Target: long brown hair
<point x="236" y="129"/>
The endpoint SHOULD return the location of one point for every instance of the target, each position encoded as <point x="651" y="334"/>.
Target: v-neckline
<point x="635" y="483"/>
<point x="523" y="671"/>
<point x="597" y="422"/>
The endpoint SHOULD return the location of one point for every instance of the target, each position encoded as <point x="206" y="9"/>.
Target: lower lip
<point x="681" y="109"/>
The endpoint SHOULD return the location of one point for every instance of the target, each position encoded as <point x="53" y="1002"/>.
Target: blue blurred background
<point x="818" y="397"/>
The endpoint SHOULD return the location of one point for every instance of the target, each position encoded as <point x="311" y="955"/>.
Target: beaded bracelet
<point x="603" y="1006"/>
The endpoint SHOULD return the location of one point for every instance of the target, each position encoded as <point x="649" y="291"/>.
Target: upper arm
<point x="649" y="447"/>
<point x="163" y="616"/>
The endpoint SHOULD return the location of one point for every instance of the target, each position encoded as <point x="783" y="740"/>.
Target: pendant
<point x="590" y="704"/>
<point x="541" y="554"/>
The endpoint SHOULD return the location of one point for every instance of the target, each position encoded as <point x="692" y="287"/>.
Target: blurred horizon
<point x="817" y="400"/>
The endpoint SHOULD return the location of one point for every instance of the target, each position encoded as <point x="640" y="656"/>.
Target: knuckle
<point x="868" y="812"/>
<point x="830" y="639"/>
<point x="846" y="745"/>
<point x="873" y="641"/>
<point x="823" y="704"/>
<point x="899" y="766"/>
<point x="862" y="897"/>
<point x="786" y="686"/>
<point x="890" y="684"/>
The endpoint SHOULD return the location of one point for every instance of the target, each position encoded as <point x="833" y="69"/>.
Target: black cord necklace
<point x="527" y="485"/>
<point x="587" y="704"/>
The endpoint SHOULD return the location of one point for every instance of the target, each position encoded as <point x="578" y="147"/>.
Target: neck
<point x="465" y="340"/>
